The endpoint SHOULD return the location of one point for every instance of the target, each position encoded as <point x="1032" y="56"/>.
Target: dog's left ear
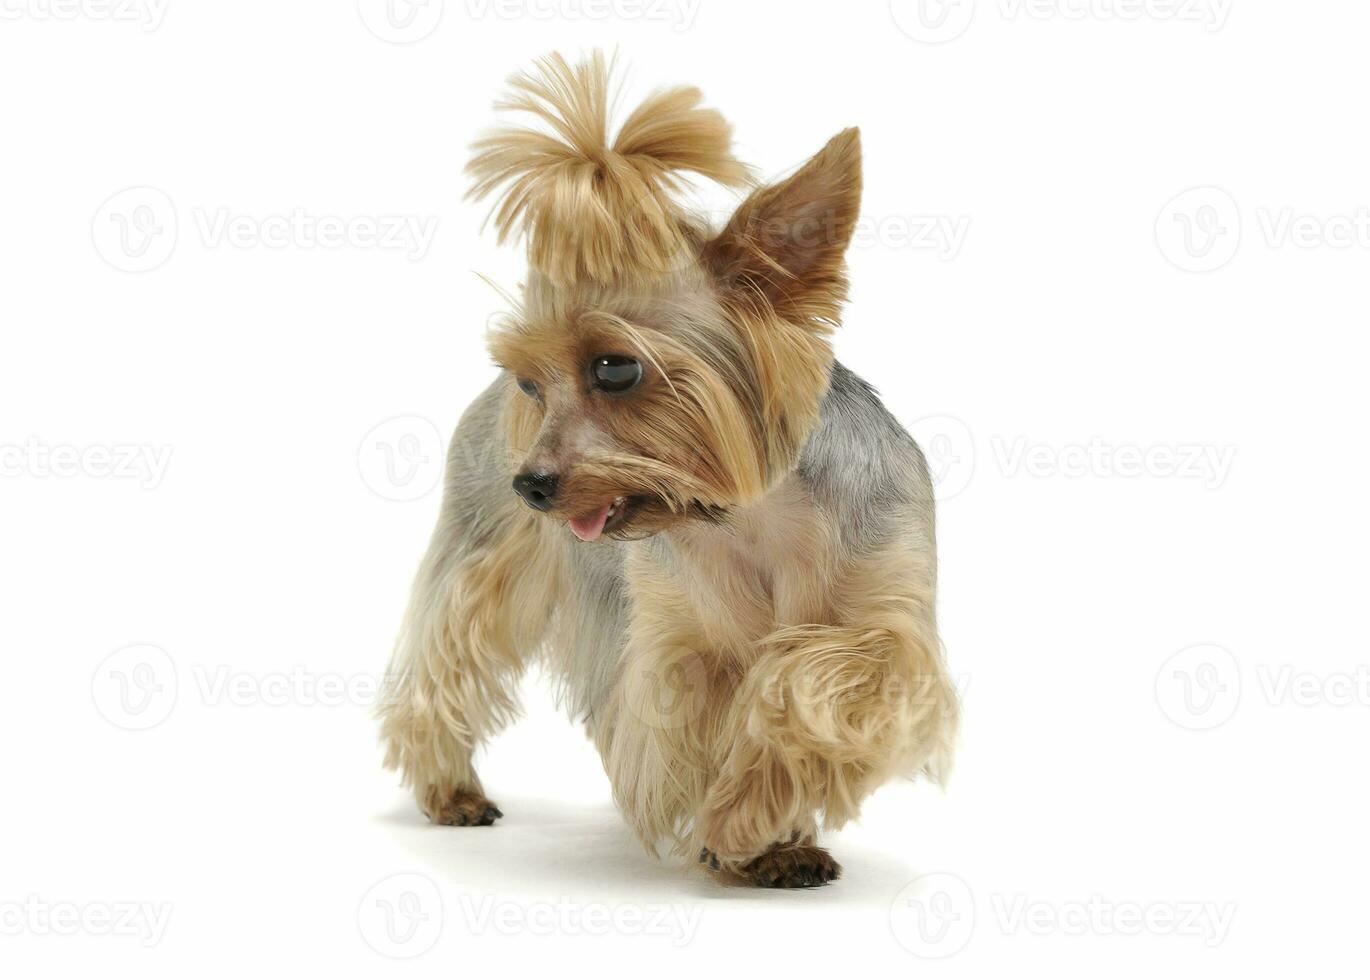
<point x="786" y="241"/>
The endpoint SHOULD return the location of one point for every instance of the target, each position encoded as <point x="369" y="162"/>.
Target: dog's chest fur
<point x="767" y="566"/>
<point x="860" y="482"/>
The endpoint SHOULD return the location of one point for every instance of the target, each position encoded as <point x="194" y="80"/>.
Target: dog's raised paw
<point x="465" y="809"/>
<point x="792" y="866"/>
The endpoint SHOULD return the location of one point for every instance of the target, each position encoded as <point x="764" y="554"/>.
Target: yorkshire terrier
<point x="710" y="531"/>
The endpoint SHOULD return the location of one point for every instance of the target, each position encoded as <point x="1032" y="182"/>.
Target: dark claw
<point x="793" y="866"/>
<point x="713" y="862"/>
<point x="703" y="854"/>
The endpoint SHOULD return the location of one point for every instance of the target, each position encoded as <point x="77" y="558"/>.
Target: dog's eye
<point x="528" y="387"/>
<point x="615" y="372"/>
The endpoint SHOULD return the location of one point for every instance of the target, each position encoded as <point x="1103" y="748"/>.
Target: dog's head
<point x="659" y="370"/>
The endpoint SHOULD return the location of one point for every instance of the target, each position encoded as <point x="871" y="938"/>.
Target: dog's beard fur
<point x="688" y="444"/>
<point x="732" y="324"/>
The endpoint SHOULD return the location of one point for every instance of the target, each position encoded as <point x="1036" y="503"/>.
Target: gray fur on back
<point x="863" y="468"/>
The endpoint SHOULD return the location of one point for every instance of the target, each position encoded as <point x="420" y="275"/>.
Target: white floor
<point x="257" y="838"/>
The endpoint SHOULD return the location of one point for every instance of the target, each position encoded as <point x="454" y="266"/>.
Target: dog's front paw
<point x="463" y="808"/>
<point x="792" y="866"/>
<point x="787" y="865"/>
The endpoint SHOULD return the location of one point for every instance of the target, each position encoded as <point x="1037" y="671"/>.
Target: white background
<point x="1153" y="483"/>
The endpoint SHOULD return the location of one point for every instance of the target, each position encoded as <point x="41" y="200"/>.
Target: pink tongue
<point x="589" y="528"/>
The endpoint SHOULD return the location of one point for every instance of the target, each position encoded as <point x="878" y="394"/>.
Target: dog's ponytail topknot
<point x="592" y="210"/>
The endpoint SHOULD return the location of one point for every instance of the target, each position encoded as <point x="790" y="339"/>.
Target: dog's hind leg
<point x="481" y="603"/>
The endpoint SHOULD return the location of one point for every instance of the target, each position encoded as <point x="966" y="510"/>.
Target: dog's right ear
<point x="786" y="241"/>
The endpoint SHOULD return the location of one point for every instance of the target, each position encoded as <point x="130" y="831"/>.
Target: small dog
<point x="717" y="538"/>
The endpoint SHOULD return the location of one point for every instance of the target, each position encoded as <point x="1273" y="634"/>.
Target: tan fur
<point x="803" y="684"/>
<point x="684" y="439"/>
<point x="592" y="209"/>
<point x="461" y="651"/>
<point x="776" y="666"/>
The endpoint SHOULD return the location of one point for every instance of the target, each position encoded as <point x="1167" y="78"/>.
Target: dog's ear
<point x="786" y="241"/>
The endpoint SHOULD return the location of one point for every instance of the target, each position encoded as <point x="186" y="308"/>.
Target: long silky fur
<point x="592" y="209"/>
<point x="760" y="652"/>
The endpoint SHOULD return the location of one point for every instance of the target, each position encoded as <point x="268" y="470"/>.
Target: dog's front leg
<point x="824" y="716"/>
<point x="655" y="732"/>
<point x="479" y="608"/>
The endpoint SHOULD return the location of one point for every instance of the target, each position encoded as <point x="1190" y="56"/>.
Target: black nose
<point x="537" y="489"/>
